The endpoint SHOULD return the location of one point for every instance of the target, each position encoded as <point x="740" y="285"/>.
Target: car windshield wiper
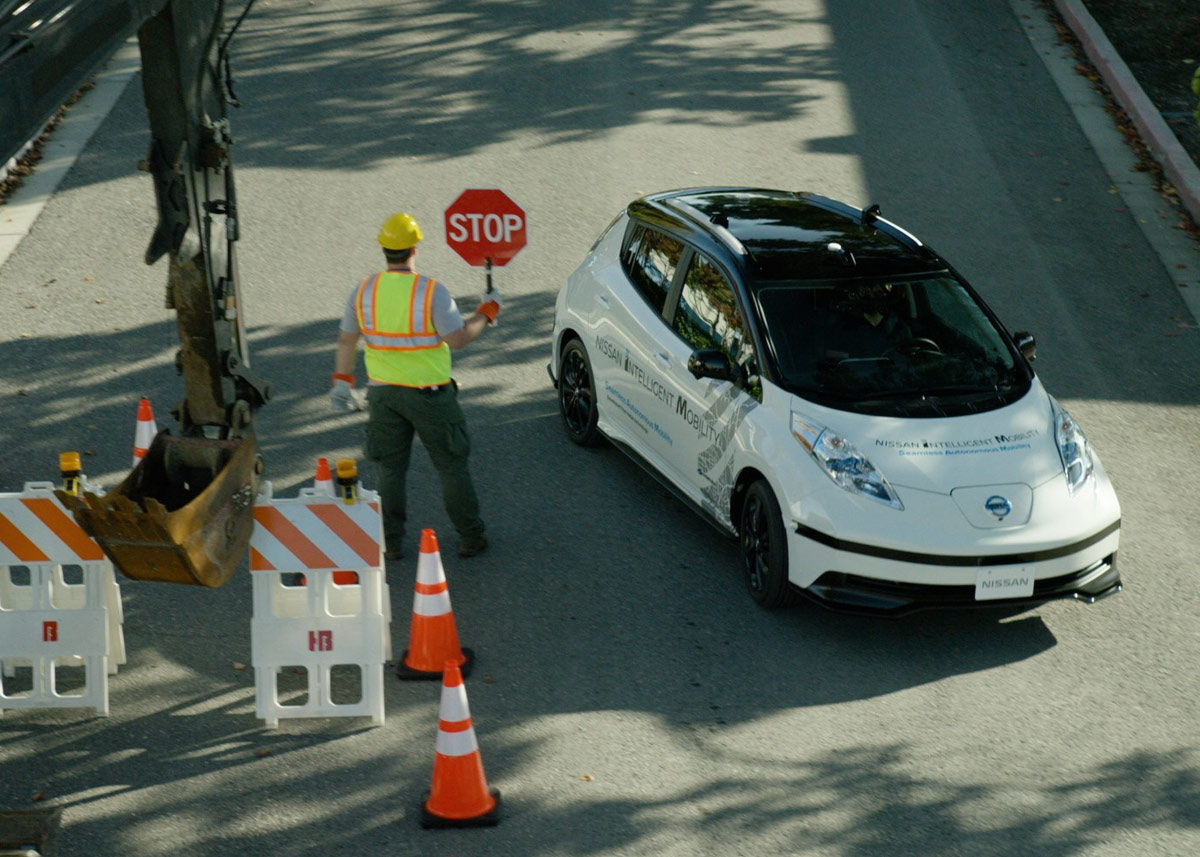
<point x="949" y="390"/>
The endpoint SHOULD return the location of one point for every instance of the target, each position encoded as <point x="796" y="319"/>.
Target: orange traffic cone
<point x="459" y="796"/>
<point x="324" y="480"/>
<point x="433" y="639"/>
<point x="143" y="436"/>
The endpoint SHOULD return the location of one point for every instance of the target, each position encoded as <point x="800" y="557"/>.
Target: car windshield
<point x="910" y="347"/>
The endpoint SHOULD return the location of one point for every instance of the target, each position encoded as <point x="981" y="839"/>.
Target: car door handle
<point x="602" y="300"/>
<point x="663" y="360"/>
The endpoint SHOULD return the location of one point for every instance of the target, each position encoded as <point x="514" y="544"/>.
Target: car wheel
<point x="764" y="548"/>
<point x="577" y="395"/>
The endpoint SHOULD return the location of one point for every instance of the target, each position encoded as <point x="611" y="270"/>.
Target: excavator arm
<point x="184" y="514"/>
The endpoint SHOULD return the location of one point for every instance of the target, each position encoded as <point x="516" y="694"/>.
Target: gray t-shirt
<point x="446" y="318"/>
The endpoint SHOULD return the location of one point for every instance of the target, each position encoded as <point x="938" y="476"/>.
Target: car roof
<point x="785" y="235"/>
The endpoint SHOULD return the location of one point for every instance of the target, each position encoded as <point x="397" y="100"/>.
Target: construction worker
<point x="410" y="323"/>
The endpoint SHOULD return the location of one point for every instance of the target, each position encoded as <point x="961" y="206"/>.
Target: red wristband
<point x="349" y="379"/>
<point x="490" y="309"/>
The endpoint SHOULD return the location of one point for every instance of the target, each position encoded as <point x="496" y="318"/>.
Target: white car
<point x="823" y="386"/>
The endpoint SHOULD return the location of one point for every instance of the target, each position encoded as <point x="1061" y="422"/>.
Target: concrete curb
<point x="64" y="147"/>
<point x="1155" y="132"/>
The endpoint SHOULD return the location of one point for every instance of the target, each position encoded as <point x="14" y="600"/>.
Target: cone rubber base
<point x="407" y="673"/>
<point x="489" y="819"/>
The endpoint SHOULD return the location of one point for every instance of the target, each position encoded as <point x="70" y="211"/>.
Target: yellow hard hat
<point x="399" y="232"/>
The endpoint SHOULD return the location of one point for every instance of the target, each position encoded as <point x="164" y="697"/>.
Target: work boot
<point x="470" y="547"/>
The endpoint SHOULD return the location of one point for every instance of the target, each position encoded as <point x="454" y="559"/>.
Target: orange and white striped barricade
<point x="332" y="618"/>
<point x="47" y="622"/>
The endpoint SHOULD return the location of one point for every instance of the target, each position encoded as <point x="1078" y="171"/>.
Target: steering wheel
<point x="916" y="345"/>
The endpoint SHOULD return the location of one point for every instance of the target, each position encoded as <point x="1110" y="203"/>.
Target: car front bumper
<point x="865" y="579"/>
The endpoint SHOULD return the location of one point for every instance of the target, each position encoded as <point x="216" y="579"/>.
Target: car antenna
<point x="870" y="214"/>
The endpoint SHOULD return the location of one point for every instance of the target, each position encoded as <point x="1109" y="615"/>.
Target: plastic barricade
<point x="320" y="601"/>
<point x="47" y="619"/>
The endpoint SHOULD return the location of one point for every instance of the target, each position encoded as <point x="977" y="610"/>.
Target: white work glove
<point x="493" y="295"/>
<point x="343" y="397"/>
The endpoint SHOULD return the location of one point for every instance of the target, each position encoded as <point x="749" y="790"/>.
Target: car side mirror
<point x="1026" y="344"/>
<point x="710" y="363"/>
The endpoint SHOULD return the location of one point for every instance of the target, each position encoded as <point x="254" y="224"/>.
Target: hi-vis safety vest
<point x="395" y="315"/>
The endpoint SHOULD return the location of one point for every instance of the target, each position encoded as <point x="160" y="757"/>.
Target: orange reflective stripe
<point x="349" y="532"/>
<point x="258" y="562"/>
<point x="430" y="588"/>
<point x="454" y="725"/>
<point x="412" y="304"/>
<point x="431" y="287"/>
<point x="22" y="548"/>
<point x="291" y="538"/>
<point x="56" y="520"/>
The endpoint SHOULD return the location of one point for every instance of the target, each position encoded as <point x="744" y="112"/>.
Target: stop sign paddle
<point x="485" y="227"/>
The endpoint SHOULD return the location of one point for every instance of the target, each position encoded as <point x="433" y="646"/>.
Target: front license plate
<point x="1007" y="582"/>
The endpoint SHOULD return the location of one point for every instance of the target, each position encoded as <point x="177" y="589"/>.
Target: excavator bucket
<point x="184" y="514"/>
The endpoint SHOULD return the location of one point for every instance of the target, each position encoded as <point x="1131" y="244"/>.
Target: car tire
<point x="577" y="395"/>
<point x="763" y="544"/>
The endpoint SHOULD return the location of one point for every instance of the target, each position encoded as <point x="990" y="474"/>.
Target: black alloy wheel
<point x="764" y="548"/>
<point x="577" y="395"/>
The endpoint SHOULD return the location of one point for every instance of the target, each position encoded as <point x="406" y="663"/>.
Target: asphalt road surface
<point x="629" y="697"/>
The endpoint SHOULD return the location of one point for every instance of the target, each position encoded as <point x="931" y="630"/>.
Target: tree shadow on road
<point x="463" y="76"/>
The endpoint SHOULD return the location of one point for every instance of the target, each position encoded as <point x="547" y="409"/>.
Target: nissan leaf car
<point x="827" y="389"/>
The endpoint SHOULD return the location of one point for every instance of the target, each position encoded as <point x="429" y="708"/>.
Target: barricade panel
<point x="308" y="615"/>
<point x="60" y="605"/>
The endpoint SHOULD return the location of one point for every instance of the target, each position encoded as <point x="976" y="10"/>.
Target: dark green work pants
<point x="395" y="414"/>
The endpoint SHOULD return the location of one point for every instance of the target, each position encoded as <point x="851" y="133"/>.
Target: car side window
<point x="652" y="259"/>
<point x="708" y="317"/>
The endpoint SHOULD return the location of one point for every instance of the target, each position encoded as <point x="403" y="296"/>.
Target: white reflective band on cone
<point x="454" y="704"/>
<point x="437" y="604"/>
<point x="456" y="743"/>
<point x="429" y="569"/>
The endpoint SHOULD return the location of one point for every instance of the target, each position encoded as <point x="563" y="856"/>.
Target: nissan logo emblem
<point x="998" y="506"/>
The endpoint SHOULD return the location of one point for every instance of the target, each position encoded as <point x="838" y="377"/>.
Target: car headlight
<point x="844" y="464"/>
<point x="1073" y="448"/>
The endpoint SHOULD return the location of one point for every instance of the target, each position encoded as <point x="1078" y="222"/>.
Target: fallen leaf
<point x="261" y="754"/>
<point x="487" y="679"/>
<point x="88" y="279"/>
<point x="30" y="306"/>
<point x="38" y="796"/>
<point x="238" y="666"/>
<point x="89" y="452"/>
<point x="99" y="300"/>
<point x="587" y="778"/>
